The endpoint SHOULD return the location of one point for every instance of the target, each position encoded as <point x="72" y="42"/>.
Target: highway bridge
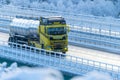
<point x="78" y="60"/>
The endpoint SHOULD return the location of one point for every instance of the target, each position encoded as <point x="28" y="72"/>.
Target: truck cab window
<point x="56" y="31"/>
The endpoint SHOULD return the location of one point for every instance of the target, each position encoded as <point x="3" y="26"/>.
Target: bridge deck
<point x="85" y="53"/>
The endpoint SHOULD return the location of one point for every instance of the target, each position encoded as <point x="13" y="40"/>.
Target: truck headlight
<point x="65" y="48"/>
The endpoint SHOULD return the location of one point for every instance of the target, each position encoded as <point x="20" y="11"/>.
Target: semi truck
<point x="49" y="33"/>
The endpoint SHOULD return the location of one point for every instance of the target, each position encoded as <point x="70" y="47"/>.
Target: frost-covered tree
<point x="104" y="8"/>
<point x="4" y="2"/>
<point x="118" y="7"/>
<point x="22" y="3"/>
<point x="94" y="7"/>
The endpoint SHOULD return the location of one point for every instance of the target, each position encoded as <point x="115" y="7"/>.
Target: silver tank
<point x="24" y="27"/>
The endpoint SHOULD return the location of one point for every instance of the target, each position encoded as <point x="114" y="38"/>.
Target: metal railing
<point x="101" y="42"/>
<point x="102" y="29"/>
<point x="65" y="63"/>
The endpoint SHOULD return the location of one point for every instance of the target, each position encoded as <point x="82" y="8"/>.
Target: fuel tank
<point x="24" y="27"/>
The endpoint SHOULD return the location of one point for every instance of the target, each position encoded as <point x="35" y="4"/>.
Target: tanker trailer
<point x="50" y="33"/>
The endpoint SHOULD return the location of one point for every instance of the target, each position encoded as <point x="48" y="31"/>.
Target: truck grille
<point x="58" y="46"/>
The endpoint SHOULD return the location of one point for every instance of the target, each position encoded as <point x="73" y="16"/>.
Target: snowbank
<point x="32" y="74"/>
<point x="26" y="73"/>
<point x="94" y="76"/>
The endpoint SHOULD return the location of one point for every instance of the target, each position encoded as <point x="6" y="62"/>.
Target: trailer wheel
<point x="11" y="39"/>
<point x="64" y="52"/>
<point x="33" y="44"/>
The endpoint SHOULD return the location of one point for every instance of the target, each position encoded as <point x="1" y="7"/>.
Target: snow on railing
<point x="65" y="63"/>
<point x="101" y="29"/>
<point x="6" y="17"/>
<point x="109" y="42"/>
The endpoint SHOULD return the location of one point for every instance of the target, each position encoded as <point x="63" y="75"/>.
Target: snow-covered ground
<point x="25" y="73"/>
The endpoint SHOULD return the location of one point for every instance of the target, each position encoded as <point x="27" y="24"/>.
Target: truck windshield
<point x="56" y="31"/>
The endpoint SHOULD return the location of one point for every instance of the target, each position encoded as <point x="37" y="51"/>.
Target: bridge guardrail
<point x="65" y="63"/>
<point x="100" y="29"/>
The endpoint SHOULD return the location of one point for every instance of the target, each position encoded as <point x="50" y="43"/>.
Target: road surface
<point x="85" y="53"/>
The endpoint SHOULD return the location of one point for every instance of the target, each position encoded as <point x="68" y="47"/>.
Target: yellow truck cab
<point x="53" y="34"/>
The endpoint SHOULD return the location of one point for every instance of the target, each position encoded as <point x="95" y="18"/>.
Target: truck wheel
<point x="11" y="39"/>
<point x="29" y="44"/>
<point x="64" y="52"/>
<point x="33" y="44"/>
<point x="42" y="46"/>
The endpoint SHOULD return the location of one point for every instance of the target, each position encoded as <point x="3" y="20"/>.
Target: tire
<point x="11" y="39"/>
<point x="42" y="46"/>
<point x="63" y="52"/>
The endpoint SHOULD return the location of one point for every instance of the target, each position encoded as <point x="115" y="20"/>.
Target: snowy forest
<point x="87" y="7"/>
